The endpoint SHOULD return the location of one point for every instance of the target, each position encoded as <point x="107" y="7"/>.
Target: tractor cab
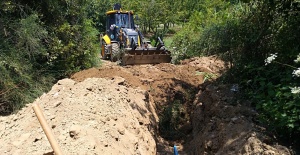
<point x="118" y="19"/>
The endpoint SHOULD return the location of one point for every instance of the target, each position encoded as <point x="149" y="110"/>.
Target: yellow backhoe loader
<point x="124" y="42"/>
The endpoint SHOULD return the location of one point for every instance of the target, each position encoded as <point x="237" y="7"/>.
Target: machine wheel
<point x="103" y="52"/>
<point x="115" y="52"/>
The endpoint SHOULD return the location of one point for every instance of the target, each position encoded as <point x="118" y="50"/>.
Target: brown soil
<point x="143" y="109"/>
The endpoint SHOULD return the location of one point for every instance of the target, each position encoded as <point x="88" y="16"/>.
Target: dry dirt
<point x="145" y="109"/>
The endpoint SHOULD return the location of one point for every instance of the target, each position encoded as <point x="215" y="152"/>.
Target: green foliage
<point x="209" y="31"/>
<point x="271" y="93"/>
<point x="74" y="48"/>
<point x="96" y="10"/>
<point x="206" y="75"/>
<point x="171" y="119"/>
<point x="168" y="41"/>
<point x="152" y="14"/>
<point x="30" y="34"/>
<point x="245" y="33"/>
<point x="42" y="41"/>
<point x="269" y="86"/>
<point x="20" y="83"/>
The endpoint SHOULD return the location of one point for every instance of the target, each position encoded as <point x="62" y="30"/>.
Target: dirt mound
<point x="223" y="125"/>
<point x="162" y="81"/>
<point x="145" y="109"/>
<point x="96" y="116"/>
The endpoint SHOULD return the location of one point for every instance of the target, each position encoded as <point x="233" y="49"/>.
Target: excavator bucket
<point x="145" y="56"/>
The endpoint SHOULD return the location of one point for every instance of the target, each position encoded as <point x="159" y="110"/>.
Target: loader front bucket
<point x="146" y="56"/>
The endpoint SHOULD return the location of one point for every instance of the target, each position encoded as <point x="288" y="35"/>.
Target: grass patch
<point x="168" y="41"/>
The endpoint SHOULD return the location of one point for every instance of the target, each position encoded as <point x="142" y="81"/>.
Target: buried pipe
<point x="47" y="130"/>
<point x="175" y="150"/>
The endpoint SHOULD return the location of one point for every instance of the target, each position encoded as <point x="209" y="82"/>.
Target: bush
<point x="245" y="34"/>
<point x="39" y="47"/>
<point x="74" y="48"/>
<point x="21" y="52"/>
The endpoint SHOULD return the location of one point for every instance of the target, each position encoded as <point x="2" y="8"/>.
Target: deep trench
<point x="175" y="115"/>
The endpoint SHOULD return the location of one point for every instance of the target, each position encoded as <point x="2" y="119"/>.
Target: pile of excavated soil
<point x="116" y="110"/>
<point x="96" y="116"/>
<point x="224" y="125"/>
<point x="162" y="81"/>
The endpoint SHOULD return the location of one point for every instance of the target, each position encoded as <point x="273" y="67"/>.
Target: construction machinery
<point x="124" y="42"/>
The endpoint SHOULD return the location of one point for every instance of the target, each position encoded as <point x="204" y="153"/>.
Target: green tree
<point x="42" y="41"/>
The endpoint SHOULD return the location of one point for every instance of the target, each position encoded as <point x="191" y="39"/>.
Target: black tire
<point x="103" y="53"/>
<point x="115" y="53"/>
